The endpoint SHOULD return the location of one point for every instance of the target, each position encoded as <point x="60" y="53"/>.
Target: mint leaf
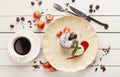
<point x="74" y="51"/>
<point x="79" y="48"/>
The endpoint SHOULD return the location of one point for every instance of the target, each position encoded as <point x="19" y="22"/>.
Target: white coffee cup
<point x="35" y="46"/>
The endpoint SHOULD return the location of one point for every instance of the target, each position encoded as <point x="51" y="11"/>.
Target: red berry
<point x="85" y="45"/>
<point x="52" y="69"/>
<point x="66" y="29"/>
<point x="40" y="25"/>
<point x="46" y="65"/>
<point x="37" y="14"/>
<point x="59" y="34"/>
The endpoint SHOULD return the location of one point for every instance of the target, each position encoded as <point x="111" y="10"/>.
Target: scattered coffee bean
<point x="32" y="3"/>
<point x="17" y="19"/>
<point x="39" y="2"/>
<point x="22" y="19"/>
<point x="97" y="7"/>
<point x="96" y="69"/>
<point x="73" y="0"/>
<point x="11" y="26"/>
<point x="90" y="10"/>
<point x="91" y="6"/>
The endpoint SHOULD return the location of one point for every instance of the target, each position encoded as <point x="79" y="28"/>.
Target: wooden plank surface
<point x="109" y="13"/>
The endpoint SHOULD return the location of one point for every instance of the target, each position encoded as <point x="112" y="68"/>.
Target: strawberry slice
<point x="66" y="29"/>
<point x="59" y="34"/>
<point x="49" y="17"/>
<point x="52" y="69"/>
<point x="85" y="45"/>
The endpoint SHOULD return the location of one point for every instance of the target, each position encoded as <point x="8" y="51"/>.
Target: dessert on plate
<point x="70" y="44"/>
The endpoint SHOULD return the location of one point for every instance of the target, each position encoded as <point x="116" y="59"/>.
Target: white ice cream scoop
<point x="64" y="40"/>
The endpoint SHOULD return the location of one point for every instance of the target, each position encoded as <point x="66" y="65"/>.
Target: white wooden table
<point x="109" y="12"/>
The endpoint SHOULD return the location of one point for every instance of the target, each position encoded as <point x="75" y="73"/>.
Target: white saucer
<point x="35" y="46"/>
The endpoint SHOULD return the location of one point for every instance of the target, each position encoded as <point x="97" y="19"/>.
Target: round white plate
<point x="57" y="55"/>
<point x="35" y="46"/>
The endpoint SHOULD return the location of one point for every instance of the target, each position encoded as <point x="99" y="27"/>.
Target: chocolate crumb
<point x="96" y="69"/>
<point x="34" y="61"/>
<point x="67" y="4"/>
<point x="36" y="66"/>
<point x="94" y="10"/>
<point x="39" y="2"/>
<point x="106" y="50"/>
<point x="11" y="26"/>
<point x="30" y="26"/>
<point x="30" y="22"/>
<point x="91" y="6"/>
<point x="73" y="0"/>
<point x="32" y="3"/>
<point x="97" y="7"/>
<point x="42" y="12"/>
<point x="33" y="20"/>
<point x="103" y="68"/>
<point x="23" y="27"/>
<point x="100" y="59"/>
<point x="90" y="10"/>
<point x="17" y="19"/>
<point x="22" y="19"/>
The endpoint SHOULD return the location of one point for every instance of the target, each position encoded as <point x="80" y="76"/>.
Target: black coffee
<point x="22" y="46"/>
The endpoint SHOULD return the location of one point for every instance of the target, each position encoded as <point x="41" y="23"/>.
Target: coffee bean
<point x="17" y="19"/>
<point x="91" y="6"/>
<point x="32" y="3"/>
<point x="73" y="0"/>
<point x="11" y="26"/>
<point x="22" y="19"/>
<point x="39" y="2"/>
<point x="97" y="7"/>
<point x="90" y="10"/>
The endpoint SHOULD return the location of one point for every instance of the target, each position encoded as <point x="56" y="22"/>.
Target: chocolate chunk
<point x="22" y="19"/>
<point x="17" y="19"/>
<point x="39" y="2"/>
<point x="32" y="3"/>
<point x="72" y="36"/>
<point x="97" y="7"/>
<point x="94" y="10"/>
<point x="11" y="26"/>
